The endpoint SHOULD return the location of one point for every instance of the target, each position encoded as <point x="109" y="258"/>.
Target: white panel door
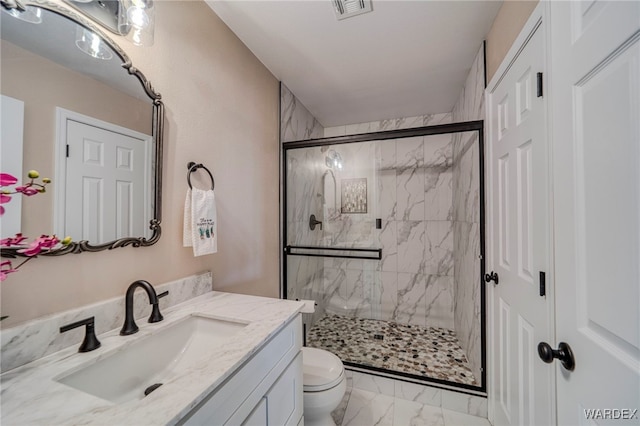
<point x="521" y="384"/>
<point x="596" y="149"/>
<point x="105" y="184"/>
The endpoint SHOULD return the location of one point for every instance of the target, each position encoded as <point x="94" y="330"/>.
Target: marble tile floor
<point x="424" y="351"/>
<point x="365" y="408"/>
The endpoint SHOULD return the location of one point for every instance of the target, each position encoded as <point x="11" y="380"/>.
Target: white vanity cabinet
<point x="265" y="390"/>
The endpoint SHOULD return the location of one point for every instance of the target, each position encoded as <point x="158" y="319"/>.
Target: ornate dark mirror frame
<point x="157" y="132"/>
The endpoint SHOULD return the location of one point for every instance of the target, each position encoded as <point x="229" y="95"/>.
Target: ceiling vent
<point x="348" y="8"/>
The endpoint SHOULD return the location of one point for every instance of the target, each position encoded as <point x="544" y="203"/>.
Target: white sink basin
<point x="125" y="375"/>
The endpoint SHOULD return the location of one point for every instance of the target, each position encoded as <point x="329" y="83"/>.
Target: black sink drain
<point x="151" y="388"/>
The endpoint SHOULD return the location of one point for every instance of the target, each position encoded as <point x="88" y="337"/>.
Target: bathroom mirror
<point x="92" y="123"/>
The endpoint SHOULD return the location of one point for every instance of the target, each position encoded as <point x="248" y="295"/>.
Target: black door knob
<point x="563" y="353"/>
<point x="491" y="277"/>
<point x="313" y="222"/>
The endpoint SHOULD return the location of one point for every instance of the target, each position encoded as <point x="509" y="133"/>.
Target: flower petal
<point x="33" y="250"/>
<point x="6" y="179"/>
<point x="27" y="190"/>
<point x="13" y="241"/>
<point x="5" y="272"/>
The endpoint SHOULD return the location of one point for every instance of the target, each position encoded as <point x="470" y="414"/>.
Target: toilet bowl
<point x="324" y="384"/>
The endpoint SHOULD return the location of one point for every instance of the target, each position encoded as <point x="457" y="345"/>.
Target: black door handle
<point x="313" y="222"/>
<point x="491" y="277"/>
<point x="563" y="353"/>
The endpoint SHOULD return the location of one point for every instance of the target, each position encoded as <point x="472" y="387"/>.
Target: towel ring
<point x="193" y="167"/>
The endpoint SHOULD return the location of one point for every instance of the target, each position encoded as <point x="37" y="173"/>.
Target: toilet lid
<point x="321" y="369"/>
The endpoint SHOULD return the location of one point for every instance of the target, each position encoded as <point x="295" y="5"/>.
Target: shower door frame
<point x="440" y="129"/>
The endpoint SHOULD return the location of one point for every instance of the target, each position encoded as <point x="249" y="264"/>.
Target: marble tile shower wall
<point x="390" y="124"/>
<point x="351" y="229"/>
<point x="296" y="122"/>
<point x="413" y="283"/>
<point x="466" y="220"/>
<point x="417" y="228"/>
<point x="304" y="198"/>
<point x="351" y="285"/>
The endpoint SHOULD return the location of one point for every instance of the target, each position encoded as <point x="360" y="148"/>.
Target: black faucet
<point x="90" y="341"/>
<point x="130" y="326"/>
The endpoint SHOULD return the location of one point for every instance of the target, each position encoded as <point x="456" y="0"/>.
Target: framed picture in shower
<point x="354" y="195"/>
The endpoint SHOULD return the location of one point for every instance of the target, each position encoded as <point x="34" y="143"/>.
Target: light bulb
<point x="136" y="36"/>
<point x="137" y="17"/>
<point x="91" y="44"/>
<point x="31" y="14"/>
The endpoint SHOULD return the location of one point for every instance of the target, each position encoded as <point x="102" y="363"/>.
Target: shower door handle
<point x="313" y="222"/>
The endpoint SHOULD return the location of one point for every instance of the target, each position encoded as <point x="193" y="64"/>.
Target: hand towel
<point x="187" y="236"/>
<point x="204" y="229"/>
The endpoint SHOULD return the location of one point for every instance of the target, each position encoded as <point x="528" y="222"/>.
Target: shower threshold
<point x="429" y="352"/>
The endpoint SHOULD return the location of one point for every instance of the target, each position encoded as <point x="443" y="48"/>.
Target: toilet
<point x="324" y="384"/>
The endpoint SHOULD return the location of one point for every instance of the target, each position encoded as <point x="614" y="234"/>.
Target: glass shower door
<point x="332" y="235"/>
<point x="385" y="236"/>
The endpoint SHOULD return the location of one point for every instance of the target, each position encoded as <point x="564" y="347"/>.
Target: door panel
<point x="525" y="224"/>
<point x="92" y="207"/>
<point x="504" y="360"/>
<point x="504" y="212"/>
<point x="596" y="65"/>
<point x="526" y="350"/>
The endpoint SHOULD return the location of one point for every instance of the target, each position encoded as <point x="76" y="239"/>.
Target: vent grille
<point x="348" y="8"/>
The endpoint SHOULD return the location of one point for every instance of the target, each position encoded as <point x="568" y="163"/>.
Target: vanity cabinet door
<point x="284" y="399"/>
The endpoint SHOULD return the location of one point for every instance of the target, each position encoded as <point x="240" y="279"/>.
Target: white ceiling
<point x="406" y="58"/>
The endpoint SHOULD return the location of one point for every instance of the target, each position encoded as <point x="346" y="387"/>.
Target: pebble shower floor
<point x="423" y="351"/>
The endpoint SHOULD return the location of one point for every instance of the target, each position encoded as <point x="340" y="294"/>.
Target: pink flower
<point x="43" y="242"/>
<point x="12" y="241"/>
<point x="6" y="179"/>
<point x="4" y="198"/>
<point x="26" y="190"/>
<point x="6" y="269"/>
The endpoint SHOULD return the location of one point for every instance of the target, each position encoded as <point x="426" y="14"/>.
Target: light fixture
<point x="136" y="21"/>
<point x="104" y="12"/>
<point x="133" y="19"/>
<point x="91" y="44"/>
<point x="30" y="14"/>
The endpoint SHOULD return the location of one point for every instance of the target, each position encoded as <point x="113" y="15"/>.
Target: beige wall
<point x="508" y="23"/>
<point x="221" y="110"/>
<point x="44" y="85"/>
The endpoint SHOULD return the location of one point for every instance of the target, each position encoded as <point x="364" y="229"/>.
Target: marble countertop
<point x="30" y="394"/>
